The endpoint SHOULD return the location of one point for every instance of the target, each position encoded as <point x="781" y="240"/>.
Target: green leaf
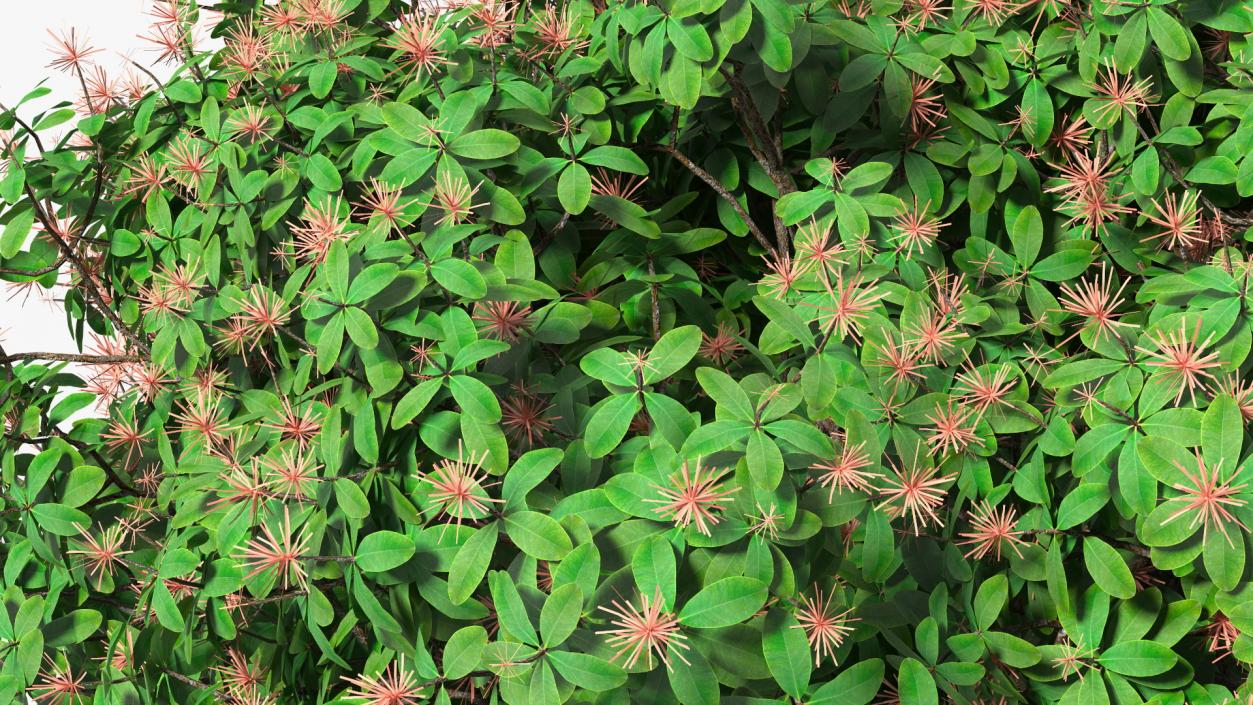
<point x="1107" y="568"/>
<point x="463" y="651"/>
<point x="1139" y="659"/>
<point x="1168" y="35"/>
<point x="16" y="232"/>
<point x="560" y="615"/>
<point x="60" y="519"/>
<point x="725" y="602"/>
<point x="574" y="188"/>
<point x="616" y="158"/>
<point x="383" y="550"/>
<point x="1213" y="170"/>
<point x="990" y="600"/>
<point x="856" y="685"/>
<point x="484" y="144"/>
<point x="609" y="422"/>
<point x="787" y="652"/>
<point x="1222" y="432"/>
<point x="671" y="353"/>
<point x="587" y="671"/>
<point x="916" y="684"/>
<point x="475" y="398"/>
<point x="538" y="535"/>
<point x="471" y="562"/>
<point x="1082" y="502"/>
<point x="323" y="174"/>
<point x="73" y="628"/>
<point x="460" y="277"/>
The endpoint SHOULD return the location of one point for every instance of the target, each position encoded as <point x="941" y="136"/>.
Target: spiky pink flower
<point x="1073" y="660"/>
<point x="1207" y="498"/>
<point x="555" y="33"/>
<point x="320" y="227"/>
<point x="294" y="425"/>
<point x="618" y="185"/>
<point x="720" y="348"/>
<point x="278" y="553"/>
<point x="1093" y="301"/>
<point x="69" y="53"/>
<point x="458" y="488"/>
<point x="502" y="320"/>
<point x="693" y="497"/>
<point x="846" y="473"/>
<point x="992" y="529"/>
<point x="263" y="312"/>
<point x="644" y="631"/>
<point x="1220" y="636"/>
<point x="417" y="39"/>
<point x="1179" y="220"/>
<point x="238" y="675"/>
<point x="245" y="53"/>
<point x="850" y="307"/>
<point x="1180" y="357"/>
<point x="914" y="229"/>
<point x="926" y="109"/>
<point x="1085" y="190"/>
<point x="187" y="161"/>
<point x="243" y="486"/>
<point x="1071" y="137"/>
<point x="293" y="475"/>
<point x="981" y="391"/>
<point x="525" y="416"/>
<point x="205" y="416"/>
<point x="58" y="686"/>
<point x="1117" y="94"/>
<point x="383" y="201"/>
<point x="124" y="433"/>
<point x="915" y="492"/>
<point x="455" y="198"/>
<point x="784" y="271"/>
<point x="825" y="627"/>
<point x="901" y="362"/>
<point x="146" y="178"/>
<point x="1239" y="389"/>
<point x="934" y="337"/>
<point x="249" y="123"/>
<point x="766" y="522"/>
<point x="952" y="429"/>
<point x="994" y="12"/>
<point x="100" y="556"/>
<point x="100" y="92"/>
<point x="396" y="685"/>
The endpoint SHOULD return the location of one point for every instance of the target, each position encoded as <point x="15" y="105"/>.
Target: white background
<point x="37" y="322"/>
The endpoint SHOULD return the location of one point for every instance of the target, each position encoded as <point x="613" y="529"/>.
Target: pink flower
<point x="645" y="631"/>
<point x="915" y="492"/>
<point x="1208" y="499"/>
<point x="825" y="628"/>
<point x="991" y="529"/>
<point x="693" y="497"/>
<point x="280" y="553"/>
<point x="396" y="685"/>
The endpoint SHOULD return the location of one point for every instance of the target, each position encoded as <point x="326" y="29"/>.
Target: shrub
<point x="740" y="350"/>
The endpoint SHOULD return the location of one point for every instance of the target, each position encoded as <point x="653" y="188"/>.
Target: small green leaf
<point x="383" y="550"/>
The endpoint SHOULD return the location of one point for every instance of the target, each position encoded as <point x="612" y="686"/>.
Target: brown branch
<point x="72" y="357"/>
<point x="721" y="191"/>
<point x="89" y="286"/>
<point x="34" y="272"/>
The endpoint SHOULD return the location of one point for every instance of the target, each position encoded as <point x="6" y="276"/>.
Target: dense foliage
<point x="697" y="351"/>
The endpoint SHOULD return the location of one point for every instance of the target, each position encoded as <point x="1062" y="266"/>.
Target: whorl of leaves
<point x="689" y="351"/>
